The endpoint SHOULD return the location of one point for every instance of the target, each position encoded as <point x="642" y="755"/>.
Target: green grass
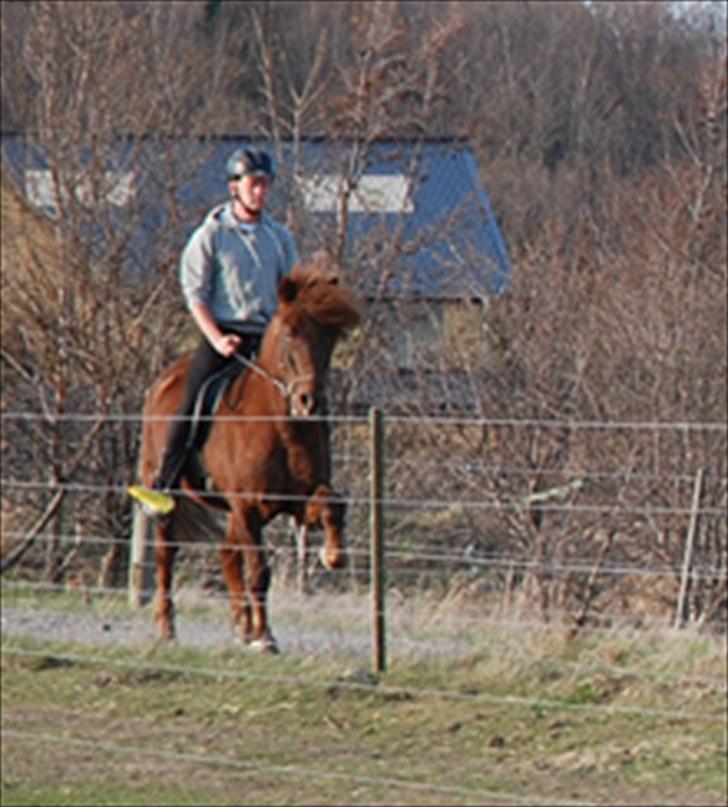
<point x="523" y="717"/>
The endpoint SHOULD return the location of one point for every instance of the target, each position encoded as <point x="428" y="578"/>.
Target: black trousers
<point x="206" y="362"/>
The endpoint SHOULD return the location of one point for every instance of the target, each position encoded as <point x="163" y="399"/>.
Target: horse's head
<point x="313" y="311"/>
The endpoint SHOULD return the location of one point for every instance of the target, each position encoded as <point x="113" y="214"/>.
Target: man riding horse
<point x="229" y="273"/>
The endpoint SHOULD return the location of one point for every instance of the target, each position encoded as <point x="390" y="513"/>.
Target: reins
<point x="286" y="390"/>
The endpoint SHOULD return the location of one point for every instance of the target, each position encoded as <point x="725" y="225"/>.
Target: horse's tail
<point x="189" y="521"/>
<point x="193" y="522"/>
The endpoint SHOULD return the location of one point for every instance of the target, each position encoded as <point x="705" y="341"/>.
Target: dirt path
<point x="337" y="626"/>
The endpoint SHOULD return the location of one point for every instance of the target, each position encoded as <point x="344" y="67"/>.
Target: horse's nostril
<point x="303" y="404"/>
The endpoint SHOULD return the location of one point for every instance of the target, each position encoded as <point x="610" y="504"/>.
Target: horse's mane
<point x="321" y="297"/>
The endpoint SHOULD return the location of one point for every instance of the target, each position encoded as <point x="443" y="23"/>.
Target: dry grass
<point x="469" y="711"/>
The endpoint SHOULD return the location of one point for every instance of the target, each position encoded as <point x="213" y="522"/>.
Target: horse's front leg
<point x="327" y="509"/>
<point x="258" y="576"/>
<point x="232" y="566"/>
<point x="164" y="553"/>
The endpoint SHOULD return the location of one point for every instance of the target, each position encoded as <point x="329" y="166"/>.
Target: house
<point x="420" y="232"/>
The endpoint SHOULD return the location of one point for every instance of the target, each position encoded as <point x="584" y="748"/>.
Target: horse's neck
<point x="304" y="442"/>
<point x="255" y="394"/>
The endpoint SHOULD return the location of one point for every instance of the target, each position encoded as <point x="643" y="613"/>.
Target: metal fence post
<point x="680" y="611"/>
<point x="376" y="535"/>
<point x="141" y="560"/>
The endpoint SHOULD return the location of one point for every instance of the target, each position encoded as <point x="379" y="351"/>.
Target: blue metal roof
<point x="439" y="217"/>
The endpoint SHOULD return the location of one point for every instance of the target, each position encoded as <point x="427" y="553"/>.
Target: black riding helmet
<point x="249" y="161"/>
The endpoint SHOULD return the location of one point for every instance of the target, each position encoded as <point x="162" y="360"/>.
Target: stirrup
<point x="154" y="502"/>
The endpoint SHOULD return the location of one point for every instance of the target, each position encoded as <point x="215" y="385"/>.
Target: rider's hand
<point x="227" y="344"/>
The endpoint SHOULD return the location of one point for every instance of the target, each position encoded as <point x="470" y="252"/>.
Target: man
<point x="229" y="273"/>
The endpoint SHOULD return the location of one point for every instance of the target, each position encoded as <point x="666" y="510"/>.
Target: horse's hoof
<point x="266" y="644"/>
<point x="165" y="632"/>
<point x="242" y="639"/>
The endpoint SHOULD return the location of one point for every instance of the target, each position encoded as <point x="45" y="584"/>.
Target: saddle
<point x="208" y="399"/>
<point x="215" y="387"/>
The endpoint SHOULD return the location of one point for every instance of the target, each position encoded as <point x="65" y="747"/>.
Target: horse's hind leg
<point x="231" y="558"/>
<point x="165" y="550"/>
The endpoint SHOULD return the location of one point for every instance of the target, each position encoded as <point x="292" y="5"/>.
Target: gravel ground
<point x="305" y="626"/>
<point x="138" y="629"/>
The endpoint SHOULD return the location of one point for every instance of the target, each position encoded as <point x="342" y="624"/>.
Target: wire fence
<point x="494" y="537"/>
<point x="602" y="503"/>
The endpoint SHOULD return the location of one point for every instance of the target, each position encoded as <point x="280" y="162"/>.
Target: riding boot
<point x="175" y="452"/>
<point x="166" y="478"/>
<point x="157" y="501"/>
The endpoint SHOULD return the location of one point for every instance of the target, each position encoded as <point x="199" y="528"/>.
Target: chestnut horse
<point x="267" y="452"/>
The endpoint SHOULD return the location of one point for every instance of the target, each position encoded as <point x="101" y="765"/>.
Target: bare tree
<point x="87" y="319"/>
<point x="600" y="131"/>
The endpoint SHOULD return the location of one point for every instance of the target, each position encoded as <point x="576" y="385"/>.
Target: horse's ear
<point x="287" y="290"/>
<point x="325" y="266"/>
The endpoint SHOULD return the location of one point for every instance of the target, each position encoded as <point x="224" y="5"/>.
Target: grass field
<point x="522" y="717"/>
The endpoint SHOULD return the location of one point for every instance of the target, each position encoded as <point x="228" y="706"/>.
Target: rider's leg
<point x="205" y="362"/>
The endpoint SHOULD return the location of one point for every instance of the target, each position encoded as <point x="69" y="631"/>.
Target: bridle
<point x="286" y="389"/>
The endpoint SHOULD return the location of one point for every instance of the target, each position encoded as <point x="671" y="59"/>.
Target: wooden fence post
<point x="376" y="536"/>
<point x="688" y="554"/>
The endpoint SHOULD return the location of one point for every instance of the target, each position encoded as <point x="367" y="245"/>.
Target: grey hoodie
<point x="234" y="268"/>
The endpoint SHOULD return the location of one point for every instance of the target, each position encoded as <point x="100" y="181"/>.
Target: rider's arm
<point x="195" y="270"/>
<point x="226" y="344"/>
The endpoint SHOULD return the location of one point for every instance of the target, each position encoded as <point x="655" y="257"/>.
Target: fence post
<point x="141" y="560"/>
<point x="688" y="554"/>
<point x="376" y="536"/>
